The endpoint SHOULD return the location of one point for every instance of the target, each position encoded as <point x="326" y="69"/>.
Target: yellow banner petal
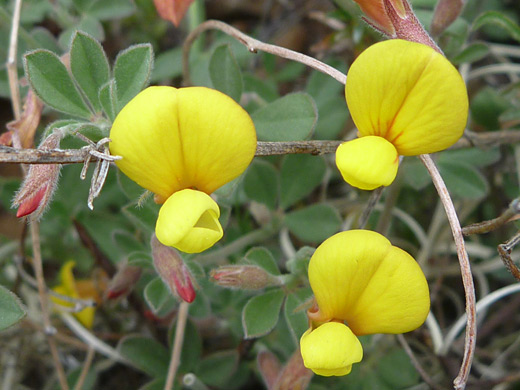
<point x="171" y="139"/>
<point x="359" y="277"/>
<point x="409" y="94"/>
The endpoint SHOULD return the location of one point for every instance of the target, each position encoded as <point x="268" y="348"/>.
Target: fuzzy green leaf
<point x="51" y="81"/>
<point x="107" y="99"/>
<point x="158" y="297"/>
<point x="472" y="53"/>
<point x="11" y="309"/>
<point x="132" y="71"/>
<point x="498" y="19"/>
<point x="261" y="183"/>
<point x="300" y="174"/>
<point x="463" y="180"/>
<point x="225" y="73"/>
<point x="89" y="66"/>
<point x="145" y="354"/>
<point x="290" y="118"/>
<point x="314" y="223"/>
<point x="260" y="314"/>
<point x="295" y="312"/>
<point x="263" y="258"/>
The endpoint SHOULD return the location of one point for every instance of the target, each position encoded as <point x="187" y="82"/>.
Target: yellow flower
<point x="358" y="277"/>
<point x="83" y="289"/>
<point x="176" y="139"/>
<point x="408" y="94"/>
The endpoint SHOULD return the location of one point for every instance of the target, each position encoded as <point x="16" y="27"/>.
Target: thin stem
<point x="253" y="45"/>
<point x="371" y="204"/>
<point x="467" y="278"/>
<point x="495" y="223"/>
<point x="42" y="293"/>
<point x="424" y="375"/>
<point x="85" y="369"/>
<point x="12" y="69"/>
<point x="182" y="318"/>
<point x="78" y="156"/>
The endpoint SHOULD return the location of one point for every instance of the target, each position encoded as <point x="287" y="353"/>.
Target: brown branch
<point x="495" y="223"/>
<point x="504" y="250"/>
<point x="10" y="155"/>
<point x="253" y="45"/>
<point x="467" y="278"/>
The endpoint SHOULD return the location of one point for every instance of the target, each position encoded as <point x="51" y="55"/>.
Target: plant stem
<point x="42" y="293"/>
<point x="253" y="45"/>
<point x="182" y="318"/>
<point x="12" y="68"/>
<point x="467" y="278"/>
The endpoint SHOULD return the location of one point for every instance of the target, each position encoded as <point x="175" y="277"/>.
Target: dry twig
<point x="182" y="317"/>
<point x="467" y="278"/>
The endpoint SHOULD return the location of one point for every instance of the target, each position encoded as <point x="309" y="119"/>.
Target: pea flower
<point x="405" y="99"/>
<point x="82" y="289"/>
<point x="183" y="144"/>
<point x="362" y="285"/>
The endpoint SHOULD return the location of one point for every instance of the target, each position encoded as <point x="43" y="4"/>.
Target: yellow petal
<point x="188" y="221"/>
<point x="67" y="279"/>
<point x="359" y="277"/>
<point x="409" y="94"/>
<point x="171" y="139"/>
<point x="367" y="162"/>
<point x="330" y="349"/>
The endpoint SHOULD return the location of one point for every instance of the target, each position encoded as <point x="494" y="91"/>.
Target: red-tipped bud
<point x="269" y="367"/>
<point x="245" y="277"/>
<point x="445" y="14"/>
<point x="40" y="183"/>
<point x="171" y="268"/>
<point x="123" y="281"/>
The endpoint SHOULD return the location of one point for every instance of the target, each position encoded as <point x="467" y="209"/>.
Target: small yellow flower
<point x="83" y="289"/>
<point x="408" y="94"/>
<point x="358" y="277"/>
<point x="177" y="139"/>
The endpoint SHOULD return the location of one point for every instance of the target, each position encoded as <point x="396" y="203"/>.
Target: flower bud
<point x="123" y="281"/>
<point x="245" y="277"/>
<point x="172" y="10"/>
<point x="171" y="268"/>
<point x="40" y="183"/>
<point x="445" y="14"/>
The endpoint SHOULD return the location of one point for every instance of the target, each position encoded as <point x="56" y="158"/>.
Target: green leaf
<point x="225" y="73"/>
<point x="260" y="314"/>
<point x="156" y="384"/>
<point x="143" y="216"/>
<point x="300" y="174"/>
<point x="168" y="65"/>
<point x="414" y="174"/>
<point x="261" y="183"/>
<point x="473" y="156"/>
<point x="191" y="346"/>
<point x="145" y="354"/>
<point x="290" y="118"/>
<point x="158" y="297"/>
<point x="396" y="370"/>
<point x="107" y="99"/>
<point x="51" y="81"/>
<point x="314" y="223"/>
<point x="113" y="9"/>
<point x="217" y="368"/>
<point x="472" y="53"/>
<point x="140" y="259"/>
<point x="463" y="180"/>
<point x="11" y="309"/>
<point x="498" y="19"/>
<point x="299" y="264"/>
<point x="263" y="258"/>
<point x="127" y="242"/>
<point x="87" y="24"/>
<point x="89" y="66"/>
<point x="296" y="314"/>
<point x="487" y="106"/>
<point x="132" y="71"/>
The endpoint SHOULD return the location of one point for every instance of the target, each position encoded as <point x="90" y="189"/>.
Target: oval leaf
<point x="225" y="73"/>
<point x="51" y="81"/>
<point x="132" y="71"/>
<point x="11" y="309"/>
<point x="290" y="118"/>
<point x="260" y="314"/>
<point x="261" y="183"/>
<point x="145" y="354"/>
<point x="463" y="181"/>
<point x="263" y="258"/>
<point x="295" y="313"/>
<point x="89" y="66"/>
<point x="158" y="297"/>
<point x="107" y="99"/>
<point x="314" y="223"/>
<point x="300" y="174"/>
